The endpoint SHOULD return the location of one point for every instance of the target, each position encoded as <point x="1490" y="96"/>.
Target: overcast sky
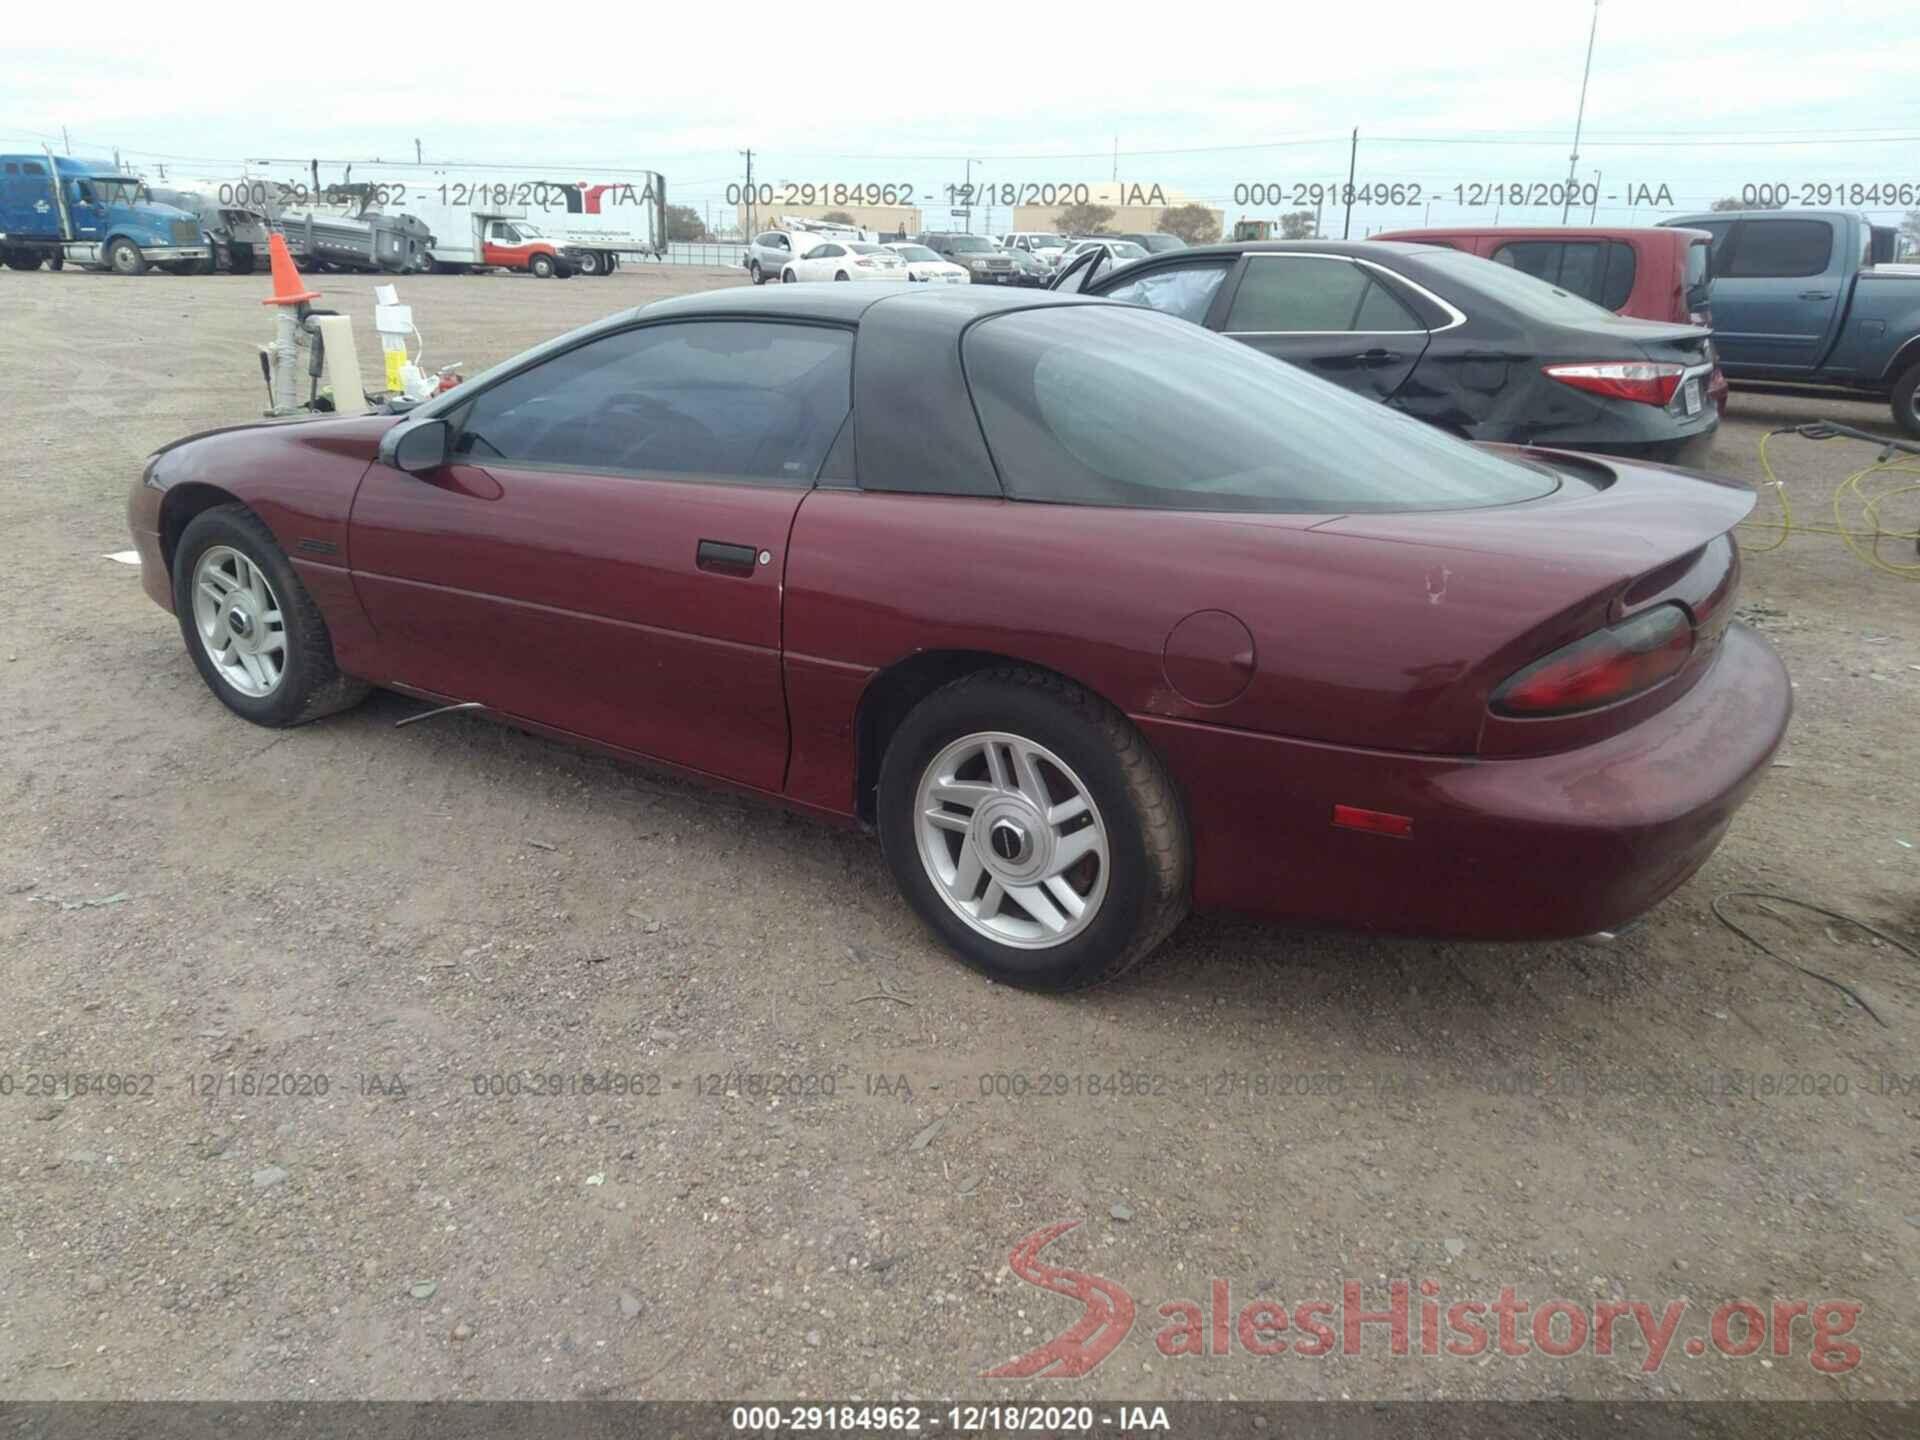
<point x="1699" y="96"/>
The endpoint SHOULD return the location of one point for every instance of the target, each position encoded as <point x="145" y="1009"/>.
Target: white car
<point x="1120" y="251"/>
<point x="1043" y="245"/>
<point x="923" y="264"/>
<point x="845" y="260"/>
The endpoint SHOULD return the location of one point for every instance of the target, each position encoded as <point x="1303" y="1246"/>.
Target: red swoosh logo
<point x="1091" y="1338"/>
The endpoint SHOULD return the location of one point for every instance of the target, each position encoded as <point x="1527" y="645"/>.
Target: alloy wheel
<point x="239" y="621"/>
<point x="1012" y="840"/>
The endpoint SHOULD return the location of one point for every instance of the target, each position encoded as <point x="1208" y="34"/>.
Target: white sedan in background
<point x="924" y="264"/>
<point x="845" y="260"/>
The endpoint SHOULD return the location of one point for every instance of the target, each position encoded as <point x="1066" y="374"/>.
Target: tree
<point x="1731" y="202"/>
<point x="1086" y="219"/>
<point x="684" y="223"/>
<point x="1299" y="225"/>
<point x="1195" y="224"/>
<point x="838" y="217"/>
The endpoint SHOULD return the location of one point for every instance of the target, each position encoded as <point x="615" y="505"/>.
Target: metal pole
<point x="751" y="227"/>
<point x="416" y="152"/>
<point x="1593" y="217"/>
<point x="1580" y="115"/>
<point x="967" y="190"/>
<point x="65" y="143"/>
<point x="1353" y="159"/>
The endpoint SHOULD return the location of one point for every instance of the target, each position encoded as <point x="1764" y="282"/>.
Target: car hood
<point x="194" y="457"/>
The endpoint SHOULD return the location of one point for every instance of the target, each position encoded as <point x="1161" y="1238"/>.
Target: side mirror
<point x="418" y="447"/>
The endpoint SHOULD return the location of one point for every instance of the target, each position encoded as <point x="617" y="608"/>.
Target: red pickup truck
<point x="1664" y="274"/>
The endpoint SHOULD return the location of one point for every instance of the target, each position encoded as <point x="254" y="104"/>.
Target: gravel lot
<point x="387" y="915"/>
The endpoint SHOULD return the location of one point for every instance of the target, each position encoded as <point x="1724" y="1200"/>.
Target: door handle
<point x="724" y="558"/>
<point x="1816" y="294"/>
<point x="1377" y="356"/>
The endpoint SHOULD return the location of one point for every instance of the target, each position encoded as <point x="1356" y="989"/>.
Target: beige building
<point x="1136" y="206"/>
<point x="884" y="220"/>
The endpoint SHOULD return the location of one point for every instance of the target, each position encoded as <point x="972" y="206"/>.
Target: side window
<point x="729" y="399"/>
<point x="1310" y="293"/>
<point x="1183" y="290"/>
<point x="1380" y="311"/>
<point x="1538" y="258"/>
<point x="1780" y="249"/>
<point x="33" y="167"/>
<point x="1616" y="280"/>
<point x="12" y="168"/>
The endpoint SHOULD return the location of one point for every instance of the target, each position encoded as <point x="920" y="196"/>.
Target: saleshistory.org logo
<point x="1506" y="1325"/>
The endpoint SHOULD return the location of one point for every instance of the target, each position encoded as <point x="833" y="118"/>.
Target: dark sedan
<point x="1479" y="349"/>
<point x="1092" y="614"/>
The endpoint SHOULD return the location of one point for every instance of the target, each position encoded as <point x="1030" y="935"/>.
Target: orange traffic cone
<point x="288" y="287"/>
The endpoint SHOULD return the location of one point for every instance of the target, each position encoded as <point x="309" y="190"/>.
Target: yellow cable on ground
<point x="1864" y="543"/>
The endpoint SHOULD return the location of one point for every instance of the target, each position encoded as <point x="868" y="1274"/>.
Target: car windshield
<point x="1125" y="249"/>
<point x="1046" y="242"/>
<point x="1514" y="287"/>
<point x="969" y="243"/>
<point x="914" y="252"/>
<point x="1110" y="405"/>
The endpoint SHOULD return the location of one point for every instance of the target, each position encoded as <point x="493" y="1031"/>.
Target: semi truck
<point x="56" y="209"/>
<point x="585" y="223"/>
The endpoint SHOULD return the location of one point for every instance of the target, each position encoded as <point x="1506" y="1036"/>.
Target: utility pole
<point x="1116" y="158"/>
<point x="751" y="227"/>
<point x="65" y="143"/>
<point x="416" y="151"/>
<point x="1593" y="218"/>
<point x="967" y="190"/>
<point x="1580" y="115"/>
<point x="1353" y="159"/>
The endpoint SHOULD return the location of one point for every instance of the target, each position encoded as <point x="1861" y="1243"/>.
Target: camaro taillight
<point x="1608" y="666"/>
<point x="1649" y="382"/>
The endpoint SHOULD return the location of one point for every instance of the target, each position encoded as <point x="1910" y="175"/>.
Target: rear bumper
<point x="1535" y="848"/>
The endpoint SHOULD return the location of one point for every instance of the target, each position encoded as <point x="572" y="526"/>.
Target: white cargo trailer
<point x="597" y="217"/>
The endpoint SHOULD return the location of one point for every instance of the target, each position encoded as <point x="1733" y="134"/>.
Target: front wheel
<point x="1033" y="830"/>
<point x="542" y="267"/>
<point x="759" y="275"/>
<point x="255" y="635"/>
<point x="1906" y="401"/>
<point x="124" y="258"/>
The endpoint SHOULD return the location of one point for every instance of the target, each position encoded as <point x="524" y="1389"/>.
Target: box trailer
<point x="591" y="220"/>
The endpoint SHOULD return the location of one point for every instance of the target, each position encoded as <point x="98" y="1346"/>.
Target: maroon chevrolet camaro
<point x="1093" y="614"/>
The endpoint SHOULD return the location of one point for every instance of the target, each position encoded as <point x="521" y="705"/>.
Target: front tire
<point x="254" y="633"/>
<point x="759" y="275"/>
<point x="1906" y="401"/>
<point x="124" y="258"/>
<point x="541" y="266"/>
<point x="1033" y="830"/>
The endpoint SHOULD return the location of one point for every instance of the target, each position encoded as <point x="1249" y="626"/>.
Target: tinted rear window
<point x="1506" y="285"/>
<point x="1778" y="249"/>
<point x="1598" y="270"/>
<point x="1110" y="405"/>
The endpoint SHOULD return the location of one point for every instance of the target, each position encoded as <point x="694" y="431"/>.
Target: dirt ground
<point x="421" y="924"/>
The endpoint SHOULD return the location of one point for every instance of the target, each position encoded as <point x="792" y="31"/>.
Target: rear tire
<point x="841" y="275"/>
<point x="242" y="259"/>
<point x="588" y="263"/>
<point x="1107" y="802"/>
<point x="124" y="258"/>
<point x="245" y="597"/>
<point x="787" y="277"/>
<point x="1906" y="401"/>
